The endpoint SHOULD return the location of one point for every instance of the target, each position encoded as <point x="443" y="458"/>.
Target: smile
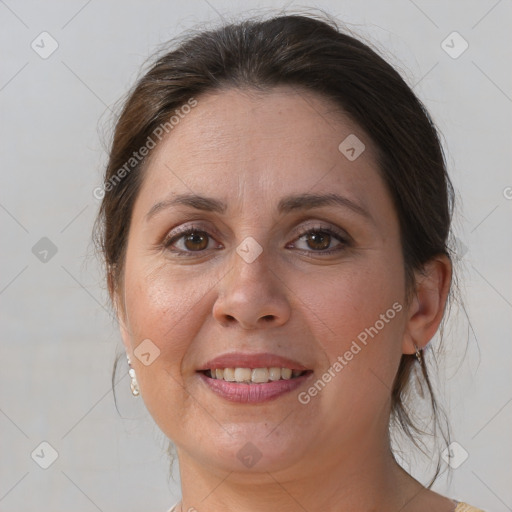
<point x="253" y="385"/>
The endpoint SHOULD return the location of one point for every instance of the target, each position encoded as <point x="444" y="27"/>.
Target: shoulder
<point x="461" y="507"/>
<point x="464" y="507"/>
<point x="431" y="500"/>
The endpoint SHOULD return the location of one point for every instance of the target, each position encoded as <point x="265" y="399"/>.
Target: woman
<point x="274" y="224"/>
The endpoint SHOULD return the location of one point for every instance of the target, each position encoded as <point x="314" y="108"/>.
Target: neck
<point x="366" y="478"/>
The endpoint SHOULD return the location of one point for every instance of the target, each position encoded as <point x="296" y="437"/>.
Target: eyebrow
<point x="287" y="204"/>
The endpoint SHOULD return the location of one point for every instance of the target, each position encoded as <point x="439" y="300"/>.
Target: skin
<point x="249" y="149"/>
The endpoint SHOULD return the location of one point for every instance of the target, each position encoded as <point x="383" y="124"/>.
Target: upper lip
<point x="260" y="360"/>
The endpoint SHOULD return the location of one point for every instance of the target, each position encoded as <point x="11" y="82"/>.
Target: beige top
<point x="461" y="507"/>
<point x="464" y="507"/>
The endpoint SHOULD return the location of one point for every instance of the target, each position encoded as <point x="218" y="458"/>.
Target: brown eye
<point x="198" y="240"/>
<point x="191" y="240"/>
<point x="318" y="240"/>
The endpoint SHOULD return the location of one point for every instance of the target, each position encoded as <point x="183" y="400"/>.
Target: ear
<point x="119" y="307"/>
<point x="126" y="336"/>
<point x="432" y="285"/>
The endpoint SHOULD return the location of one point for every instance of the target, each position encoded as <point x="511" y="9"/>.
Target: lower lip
<point x="253" y="393"/>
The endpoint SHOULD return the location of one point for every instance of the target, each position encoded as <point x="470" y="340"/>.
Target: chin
<point x="257" y="448"/>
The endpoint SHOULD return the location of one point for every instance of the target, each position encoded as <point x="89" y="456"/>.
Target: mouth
<point x="249" y="392"/>
<point x="252" y="378"/>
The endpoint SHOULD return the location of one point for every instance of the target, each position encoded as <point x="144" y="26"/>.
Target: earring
<point x="134" y="385"/>
<point x="417" y="372"/>
<point x="418" y="353"/>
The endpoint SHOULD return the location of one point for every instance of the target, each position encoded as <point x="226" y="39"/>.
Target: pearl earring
<point x="134" y="385"/>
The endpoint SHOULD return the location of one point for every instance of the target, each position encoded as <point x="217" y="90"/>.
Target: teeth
<point x="228" y="374"/>
<point x="259" y="375"/>
<point x="286" y="373"/>
<point x="242" y="374"/>
<point x="254" y="375"/>
<point x="274" y="373"/>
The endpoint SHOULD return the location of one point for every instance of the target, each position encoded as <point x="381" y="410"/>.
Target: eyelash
<point x="171" y="239"/>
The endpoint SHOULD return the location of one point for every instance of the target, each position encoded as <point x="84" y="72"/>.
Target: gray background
<point x="58" y="338"/>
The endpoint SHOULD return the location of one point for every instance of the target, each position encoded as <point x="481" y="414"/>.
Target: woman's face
<point x="251" y="286"/>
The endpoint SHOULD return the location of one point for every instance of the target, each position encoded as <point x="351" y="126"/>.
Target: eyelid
<point x="301" y="230"/>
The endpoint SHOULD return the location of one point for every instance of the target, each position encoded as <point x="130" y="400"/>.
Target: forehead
<point x="260" y="144"/>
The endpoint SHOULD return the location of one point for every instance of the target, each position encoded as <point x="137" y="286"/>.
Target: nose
<point x="252" y="295"/>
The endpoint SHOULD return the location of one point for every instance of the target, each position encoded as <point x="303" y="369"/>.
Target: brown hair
<point x="310" y="52"/>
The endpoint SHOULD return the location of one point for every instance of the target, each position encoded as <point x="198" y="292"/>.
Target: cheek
<point x="347" y="301"/>
<point x="168" y="306"/>
<point x="356" y="315"/>
<point x="161" y="306"/>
